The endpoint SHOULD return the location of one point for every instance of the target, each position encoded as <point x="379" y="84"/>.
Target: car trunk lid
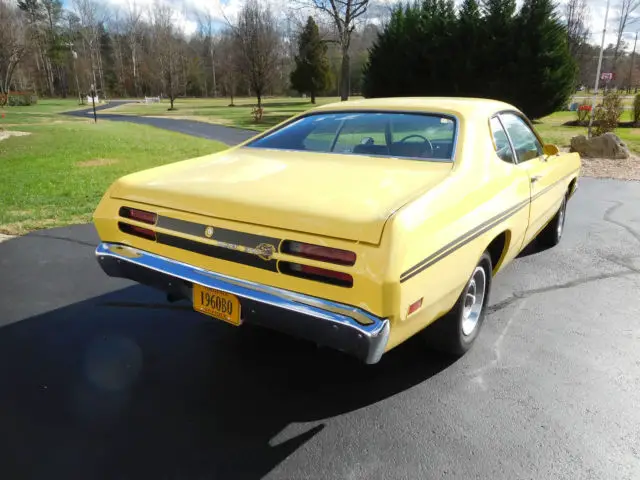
<point x="340" y="196"/>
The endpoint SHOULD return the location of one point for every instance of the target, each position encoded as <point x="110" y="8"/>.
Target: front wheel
<point x="456" y="331"/>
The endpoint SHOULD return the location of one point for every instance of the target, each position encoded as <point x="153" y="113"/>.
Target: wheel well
<point x="497" y="248"/>
<point x="572" y="187"/>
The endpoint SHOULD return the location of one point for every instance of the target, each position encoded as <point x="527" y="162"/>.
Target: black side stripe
<point x="473" y="234"/>
<point x="461" y="241"/>
<point x="214" y="251"/>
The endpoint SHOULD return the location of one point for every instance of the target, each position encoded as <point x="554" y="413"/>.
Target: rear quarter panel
<point x="445" y="232"/>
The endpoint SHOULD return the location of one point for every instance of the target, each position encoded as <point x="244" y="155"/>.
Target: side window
<point x="524" y="140"/>
<point x="503" y="147"/>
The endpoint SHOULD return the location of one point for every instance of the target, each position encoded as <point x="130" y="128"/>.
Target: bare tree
<point x="13" y="45"/>
<point x="344" y="15"/>
<point x="258" y="42"/>
<point x="627" y="16"/>
<point x="89" y="14"/>
<point x="228" y="55"/>
<point x="577" y="17"/>
<point x="133" y="34"/>
<point x="168" y="49"/>
<point x="206" y="23"/>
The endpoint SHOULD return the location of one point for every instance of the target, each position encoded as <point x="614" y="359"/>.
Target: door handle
<point x="535" y="178"/>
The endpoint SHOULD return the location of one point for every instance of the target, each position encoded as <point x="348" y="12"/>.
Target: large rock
<point x="608" y="145"/>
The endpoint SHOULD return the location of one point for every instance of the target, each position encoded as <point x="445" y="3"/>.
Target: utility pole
<point x="633" y="56"/>
<point x="595" y="94"/>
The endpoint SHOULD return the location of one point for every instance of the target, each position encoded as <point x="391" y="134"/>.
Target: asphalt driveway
<point x="100" y="378"/>
<point x="227" y="135"/>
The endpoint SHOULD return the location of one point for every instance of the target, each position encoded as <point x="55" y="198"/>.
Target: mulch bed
<point x="575" y="123"/>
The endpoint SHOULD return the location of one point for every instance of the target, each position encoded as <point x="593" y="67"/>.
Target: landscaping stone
<point x="4" y="237"/>
<point x="608" y="145"/>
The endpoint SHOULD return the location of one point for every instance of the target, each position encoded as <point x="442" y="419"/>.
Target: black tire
<point x="450" y="333"/>
<point x="551" y="235"/>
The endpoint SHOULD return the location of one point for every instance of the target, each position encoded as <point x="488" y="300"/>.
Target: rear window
<point x="404" y="135"/>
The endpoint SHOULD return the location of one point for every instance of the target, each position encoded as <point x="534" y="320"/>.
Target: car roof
<point x="459" y="106"/>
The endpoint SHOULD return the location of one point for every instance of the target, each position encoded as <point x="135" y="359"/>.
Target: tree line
<point x="134" y="52"/>
<point x="130" y="52"/>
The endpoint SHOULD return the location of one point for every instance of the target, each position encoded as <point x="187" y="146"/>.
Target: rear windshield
<point x="404" y="135"/>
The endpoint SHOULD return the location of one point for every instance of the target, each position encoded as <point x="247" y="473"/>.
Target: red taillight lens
<point x="137" y="231"/>
<point x="139" y="215"/>
<point x="317" y="252"/>
<point x="319" y="274"/>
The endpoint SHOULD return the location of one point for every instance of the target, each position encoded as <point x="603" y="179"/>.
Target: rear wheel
<point x="457" y="330"/>
<point x="551" y="234"/>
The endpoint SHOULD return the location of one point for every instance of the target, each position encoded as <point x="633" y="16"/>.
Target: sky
<point x="186" y="13"/>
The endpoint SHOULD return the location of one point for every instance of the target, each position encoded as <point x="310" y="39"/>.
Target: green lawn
<point x="279" y="109"/>
<point x="552" y="130"/>
<point x="45" y="111"/>
<point x="218" y="110"/>
<point x="57" y="175"/>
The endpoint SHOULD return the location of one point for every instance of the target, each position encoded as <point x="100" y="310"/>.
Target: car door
<point x="543" y="171"/>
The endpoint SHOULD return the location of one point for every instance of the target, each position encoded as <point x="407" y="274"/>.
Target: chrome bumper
<point x="342" y="327"/>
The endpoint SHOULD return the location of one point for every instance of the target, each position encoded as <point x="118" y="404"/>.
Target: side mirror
<point x="550" y="150"/>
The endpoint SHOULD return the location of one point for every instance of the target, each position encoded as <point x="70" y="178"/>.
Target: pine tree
<point x="468" y="48"/>
<point x="487" y="51"/>
<point x="546" y="69"/>
<point x="497" y="53"/>
<point x="311" y="74"/>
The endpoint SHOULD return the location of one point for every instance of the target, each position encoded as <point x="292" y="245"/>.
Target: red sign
<point x="607" y="76"/>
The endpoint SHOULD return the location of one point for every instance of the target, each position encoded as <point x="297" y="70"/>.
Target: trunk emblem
<point x="266" y="251"/>
<point x="208" y="232"/>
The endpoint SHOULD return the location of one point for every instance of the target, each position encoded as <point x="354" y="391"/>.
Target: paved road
<point x="228" y="135"/>
<point x="103" y="379"/>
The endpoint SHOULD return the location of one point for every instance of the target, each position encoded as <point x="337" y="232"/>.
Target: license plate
<point x="216" y="304"/>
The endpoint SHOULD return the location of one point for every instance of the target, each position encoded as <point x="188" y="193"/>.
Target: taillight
<point x="137" y="231"/>
<point x="317" y="252"/>
<point x="139" y="215"/>
<point x="319" y="274"/>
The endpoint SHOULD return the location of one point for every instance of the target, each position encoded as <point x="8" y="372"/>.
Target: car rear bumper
<point x="342" y="327"/>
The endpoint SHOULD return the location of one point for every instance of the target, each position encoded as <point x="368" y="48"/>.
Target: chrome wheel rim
<point x="473" y="300"/>
<point x="560" y="226"/>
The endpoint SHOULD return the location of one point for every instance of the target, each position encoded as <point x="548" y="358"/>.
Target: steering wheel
<point x="424" y="139"/>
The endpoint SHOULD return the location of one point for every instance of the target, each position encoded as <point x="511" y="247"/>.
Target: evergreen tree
<point x="311" y="74"/>
<point x="468" y="48"/>
<point x="498" y="51"/>
<point x="546" y="69"/>
<point x="487" y="51"/>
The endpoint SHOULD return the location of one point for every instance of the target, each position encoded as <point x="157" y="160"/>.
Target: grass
<point x="218" y="110"/>
<point x="45" y="111"/>
<point x="57" y="175"/>
<point x="552" y="130"/>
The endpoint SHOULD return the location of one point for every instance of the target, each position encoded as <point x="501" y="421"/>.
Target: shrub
<point x="608" y="114"/>
<point x="583" y="112"/>
<point x="257" y="113"/>
<point x="21" y="99"/>
<point x="636" y="110"/>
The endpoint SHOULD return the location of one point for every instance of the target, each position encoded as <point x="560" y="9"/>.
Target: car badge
<point x="266" y="251"/>
<point x="208" y="232"/>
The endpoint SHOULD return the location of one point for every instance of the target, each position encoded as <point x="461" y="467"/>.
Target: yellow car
<point x="355" y="225"/>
